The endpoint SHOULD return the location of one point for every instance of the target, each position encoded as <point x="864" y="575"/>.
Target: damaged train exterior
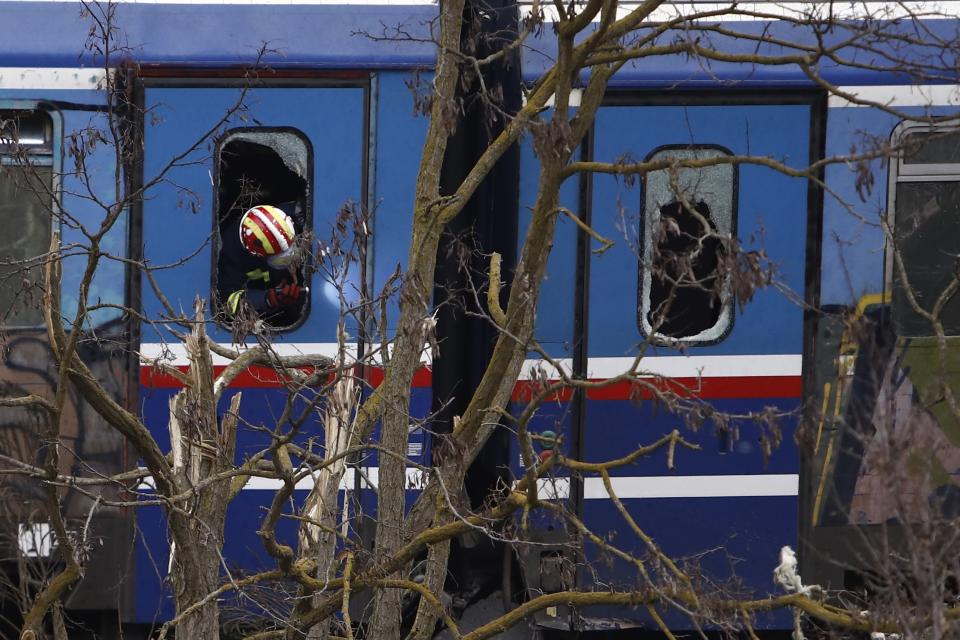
<point x="829" y="347"/>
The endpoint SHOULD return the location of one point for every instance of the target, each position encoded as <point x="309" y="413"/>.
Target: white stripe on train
<point x="796" y="10"/>
<point x="732" y="366"/>
<point x="175" y="354"/>
<point x="890" y="95"/>
<point x="726" y="366"/>
<point x="649" y="487"/>
<point x="947" y="95"/>
<point x="267" y="2"/>
<point x="35" y="78"/>
<point x="364" y="477"/>
<point x="625" y="487"/>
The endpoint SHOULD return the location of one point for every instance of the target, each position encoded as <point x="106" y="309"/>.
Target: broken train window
<point x="256" y="167"/>
<point x="686" y="214"/>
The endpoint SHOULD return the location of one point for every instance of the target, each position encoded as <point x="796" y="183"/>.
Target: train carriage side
<point x="49" y="118"/>
<point x="728" y="508"/>
<point x="334" y="122"/>
<point x="280" y="153"/>
<point x="329" y="118"/>
<point x="544" y="563"/>
<point x="349" y="137"/>
<point x="731" y="495"/>
<point x="737" y="495"/>
<point x="875" y="377"/>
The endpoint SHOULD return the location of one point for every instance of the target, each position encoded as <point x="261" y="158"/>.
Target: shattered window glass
<point x="686" y="215"/>
<point x="26" y="201"/>
<point x="257" y="167"/>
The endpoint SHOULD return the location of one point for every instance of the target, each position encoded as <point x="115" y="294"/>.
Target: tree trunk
<point x="195" y="574"/>
<point x="203" y="447"/>
<point x="322" y="506"/>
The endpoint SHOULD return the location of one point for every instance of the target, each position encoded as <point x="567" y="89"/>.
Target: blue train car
<point x="317" y="116"/>
<point x="751" y="379"/>
<point x="766" y="390"/>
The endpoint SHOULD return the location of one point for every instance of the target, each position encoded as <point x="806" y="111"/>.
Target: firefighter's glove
<point x="285" y="294"/>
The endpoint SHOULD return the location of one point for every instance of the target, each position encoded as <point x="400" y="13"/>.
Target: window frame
<point x="223" y="140"/>
<point x="51" y="156"/>
<point x="644" y="277"/>
<point x="900" y="172"/>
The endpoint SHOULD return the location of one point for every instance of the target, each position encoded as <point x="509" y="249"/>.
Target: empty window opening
<point x="26" y="206"/>
<point x="687" y="214"/>
<point x="926" y="209"/>
<point x="685" y="291"/>
<point x="258" y="167"/>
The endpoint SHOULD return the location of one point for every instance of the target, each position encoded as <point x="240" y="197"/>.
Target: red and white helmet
<point x="267" y="231"/>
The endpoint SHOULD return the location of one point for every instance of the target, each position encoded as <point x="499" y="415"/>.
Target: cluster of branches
<point x="328" y="424"/>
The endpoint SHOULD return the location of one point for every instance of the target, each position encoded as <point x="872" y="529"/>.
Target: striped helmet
<point x="266" y="231"/>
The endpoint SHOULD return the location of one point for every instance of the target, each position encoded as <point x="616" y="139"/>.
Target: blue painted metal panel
<point x="746" y="535"/>
<point x="554" y="328"/>
<point x="682" y="71"/>
<point x="853" y="241"/>
<point x="398" y="145"/>
<point x="213" y="35"/>
<point x="617" y="427"/>
<point x="399" y="137"/>
<point x="331" y="119"/>
<point x="87" y="196"/>
<point x="332" y="37"/>
<point x="243" y="550"/>
<point x="771" y="215"/>
<point x="554" y="323"/>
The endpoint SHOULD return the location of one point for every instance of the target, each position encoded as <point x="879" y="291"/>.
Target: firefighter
<point x="257" y="265"/>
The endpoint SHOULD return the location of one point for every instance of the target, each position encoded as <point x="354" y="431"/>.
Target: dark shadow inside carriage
<point x="685" y="292"/>
<point x="261" y="166"/>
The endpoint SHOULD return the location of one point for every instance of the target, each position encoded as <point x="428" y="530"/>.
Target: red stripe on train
<point x="727" y="387"/>
<point x="707" y="388"/>
<point x="261" y="377"/>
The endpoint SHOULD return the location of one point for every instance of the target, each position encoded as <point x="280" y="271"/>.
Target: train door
<point x="729" y="507"/>
<point x="304" y="145"/>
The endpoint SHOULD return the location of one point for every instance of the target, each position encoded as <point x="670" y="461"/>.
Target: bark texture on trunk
<point x="202" y="448"/>
<point x="320" y="540"/>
